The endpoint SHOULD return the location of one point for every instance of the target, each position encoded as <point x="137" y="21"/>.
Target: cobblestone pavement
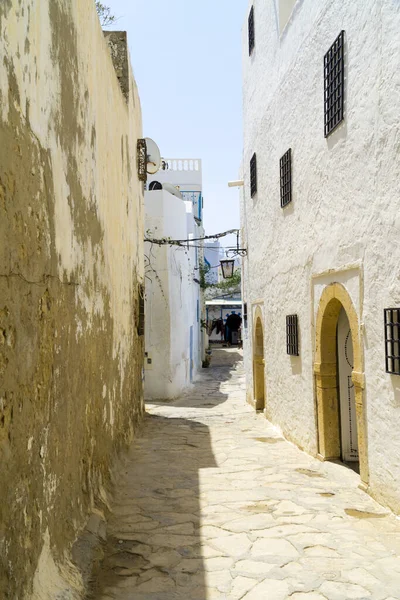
<point x="212" y="503"/>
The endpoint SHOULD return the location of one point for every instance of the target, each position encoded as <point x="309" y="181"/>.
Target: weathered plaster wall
<point x="342" y="224"/>
<point x="70" y="263"/>
<point x="171" y="299"/>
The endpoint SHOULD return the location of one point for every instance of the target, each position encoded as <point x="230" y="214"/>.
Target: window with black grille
<point x="251" y="30"/>
<point x="392" y="340"/>
<point x="334" y="84"/>
<point x="253" y="175"/>
<point x="292" y="335"/>
<point x="245" y="314"/>
<point x="140" y="322"/>
<point x="285" y="165"/>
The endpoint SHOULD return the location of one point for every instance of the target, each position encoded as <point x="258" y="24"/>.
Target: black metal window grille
<point x="285" y="165"/>
<point x="292" y="335"/>
<point x="251" y="30"/>
<point x="392" y="340"/>
<point x="334" y="84"/>
<point x="253" y="175"/>
<point x="245" y="314"/>
<point x="140" y="323"/>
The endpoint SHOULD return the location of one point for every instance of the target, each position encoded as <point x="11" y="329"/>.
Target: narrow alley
<point x="212" y="503"/>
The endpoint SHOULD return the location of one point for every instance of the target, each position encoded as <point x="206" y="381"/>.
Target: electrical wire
<point x="168" y="241"/>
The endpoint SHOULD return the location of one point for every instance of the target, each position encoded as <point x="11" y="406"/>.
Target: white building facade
<point x="174" y="305"/>
<point x="213" y="254"/>
<point x="320" y="221"/>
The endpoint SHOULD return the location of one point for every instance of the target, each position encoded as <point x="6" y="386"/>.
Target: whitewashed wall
<point x="213" y="253"/>
<point x="343" y="223"/>
<point x="171" y="298"/>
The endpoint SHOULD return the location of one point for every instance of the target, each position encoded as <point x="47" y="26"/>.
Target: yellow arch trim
<point x="333" y="298"/>
<point x="258" y="362"/>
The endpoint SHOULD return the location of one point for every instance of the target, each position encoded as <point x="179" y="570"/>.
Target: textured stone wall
<point x="342" y="225"/>
<point x="71" y="231"/>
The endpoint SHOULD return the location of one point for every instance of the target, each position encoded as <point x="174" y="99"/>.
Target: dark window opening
<point x="334" y="84"/>
<point x="253" y="175"/>
<point x="285" y="165"/>
<point x="292" y="335"/>
<point x="245" y="314"/>
<point x="251" y="30"/>
<point x="392" y="340"/>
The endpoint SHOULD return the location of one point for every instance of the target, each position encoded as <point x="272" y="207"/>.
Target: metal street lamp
<point x="236" y="251"/>
<point x="227" y="267"/>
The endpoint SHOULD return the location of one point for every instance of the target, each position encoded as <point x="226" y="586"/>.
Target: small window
<point x="140" y="322"/>
<point x="251" y="30"/>
<point x="334" y="84"/>
<point x="253" y="175"/>
<point x="285" y="164"/>
<point x="392" y="340"/>
<point x="245" y="314"/>
<point x="292" y="336"/>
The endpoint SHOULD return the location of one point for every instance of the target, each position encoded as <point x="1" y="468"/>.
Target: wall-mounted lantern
<point x="227" y="267"/>
<point x="236" y="251"/>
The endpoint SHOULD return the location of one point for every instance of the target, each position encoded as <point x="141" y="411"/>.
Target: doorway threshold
<point x="352" y="465"/>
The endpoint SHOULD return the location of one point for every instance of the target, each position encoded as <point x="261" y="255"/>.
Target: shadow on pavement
<point x="153" y="549"/>
<point x="207" y="394"/>
<point x="225" y="357"/>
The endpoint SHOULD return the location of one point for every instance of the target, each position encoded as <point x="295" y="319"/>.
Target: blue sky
<point x="186" y="58"/>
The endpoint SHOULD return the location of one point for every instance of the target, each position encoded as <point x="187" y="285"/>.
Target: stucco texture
<point x="71" y="236"/>
<point x="173" y="298"/>
<point x="342" y="225"/>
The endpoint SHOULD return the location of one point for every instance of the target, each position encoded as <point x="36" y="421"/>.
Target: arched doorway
<point x="347" y="400"/>
<point x="340" y="380"/>
<point x="258" y="363"/>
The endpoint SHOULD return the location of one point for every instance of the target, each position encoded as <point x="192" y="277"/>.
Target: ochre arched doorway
<point x="258" y="362"/>
<point x="336" y="301"/>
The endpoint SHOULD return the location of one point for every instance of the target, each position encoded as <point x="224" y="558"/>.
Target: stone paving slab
<point x="211" y="503"/>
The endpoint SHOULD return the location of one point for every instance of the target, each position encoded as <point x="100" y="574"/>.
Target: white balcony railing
<point x="181" y="164"/>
